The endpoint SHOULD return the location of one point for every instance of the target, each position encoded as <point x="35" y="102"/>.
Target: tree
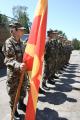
<point x="76" y="44"/>
<point x="20" y="14"/>
<point x="4" y="20"/>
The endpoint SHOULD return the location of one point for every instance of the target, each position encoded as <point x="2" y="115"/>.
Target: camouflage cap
<point x="17" y="25"/>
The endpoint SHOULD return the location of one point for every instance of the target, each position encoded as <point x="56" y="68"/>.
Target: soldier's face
<point x="20" y="32"/>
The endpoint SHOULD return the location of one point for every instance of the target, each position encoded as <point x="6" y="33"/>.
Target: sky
<point x="63" y="15"/>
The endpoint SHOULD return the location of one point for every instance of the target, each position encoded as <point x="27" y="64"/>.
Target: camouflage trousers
<point x="13" y="78"/>
<point x="48" y="71"/>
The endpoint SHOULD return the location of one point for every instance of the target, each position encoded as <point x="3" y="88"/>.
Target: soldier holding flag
<point x="13" y="50"/>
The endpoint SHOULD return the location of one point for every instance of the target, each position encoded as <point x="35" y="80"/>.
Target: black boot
<point x="44" y="86"/>
<point x="21" y="105"/>
<point x="52" y="82"/>
<point x="17" y="116"/>
<point x="41" y="91"/>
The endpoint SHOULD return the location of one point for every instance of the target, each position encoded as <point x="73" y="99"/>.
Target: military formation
<point x="56" y="57"/>
<point x="57" y="54"/>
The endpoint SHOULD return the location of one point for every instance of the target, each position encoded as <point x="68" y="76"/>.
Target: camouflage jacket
<point x="51" y="49"/>
<point x="13" y="52"/>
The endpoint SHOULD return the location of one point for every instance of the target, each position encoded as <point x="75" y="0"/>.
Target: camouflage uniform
<point x="13" y="51"/>
<point x="49" y="61"/>
<point x="60" y="55"/>
<point x="56" y="51"/>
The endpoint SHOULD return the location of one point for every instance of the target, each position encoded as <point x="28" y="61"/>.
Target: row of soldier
<point x="57" y="54"/>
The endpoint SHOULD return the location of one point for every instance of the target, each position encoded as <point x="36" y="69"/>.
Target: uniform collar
<point x="14" y="40"/>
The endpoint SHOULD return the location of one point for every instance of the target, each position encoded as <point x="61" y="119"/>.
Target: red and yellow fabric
<point x="33" y="56"/>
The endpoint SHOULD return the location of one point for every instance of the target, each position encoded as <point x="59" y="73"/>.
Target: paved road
<point x="4" y="98"/>
<point x="62" y="102"/>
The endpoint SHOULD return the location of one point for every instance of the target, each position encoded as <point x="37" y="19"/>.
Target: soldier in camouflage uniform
<point x="55" y="54"/>
<point x="46" y="68"/>
<point x="13" y="50"/>
<point x="68" y="49"/>
<point x="49" y="60"/>
<point x="60" y="54"/>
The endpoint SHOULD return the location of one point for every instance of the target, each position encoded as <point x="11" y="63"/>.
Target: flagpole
<point x="17" y="95"/>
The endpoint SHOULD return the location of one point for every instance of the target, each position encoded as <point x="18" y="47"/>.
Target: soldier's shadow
<point x="72" y="68"/>
<point x="68" y="81"/>
<point x="62" y="87"/>
<point x="69" y="75"/>
<point x="68" y="78"/>
<point x="57" y="95"/>
<point x="48" y="114"/>
<point x="73" y="65"/>
<point x="65" y="86"/>
<point x="3" y="71"/>
<point x="56" y="98"/>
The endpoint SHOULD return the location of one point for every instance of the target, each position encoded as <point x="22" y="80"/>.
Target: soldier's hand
<point x="22" y="66"/>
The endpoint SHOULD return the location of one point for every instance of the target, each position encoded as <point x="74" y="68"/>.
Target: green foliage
<point x="20" y="14"/>
<point x="76" y="44"/>
<point x="3" y="20"/>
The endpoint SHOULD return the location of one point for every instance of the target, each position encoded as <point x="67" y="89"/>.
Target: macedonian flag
<point x="33" y="56"/>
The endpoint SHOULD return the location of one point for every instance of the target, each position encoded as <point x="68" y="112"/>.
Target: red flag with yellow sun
<point x="33" y="56"/>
